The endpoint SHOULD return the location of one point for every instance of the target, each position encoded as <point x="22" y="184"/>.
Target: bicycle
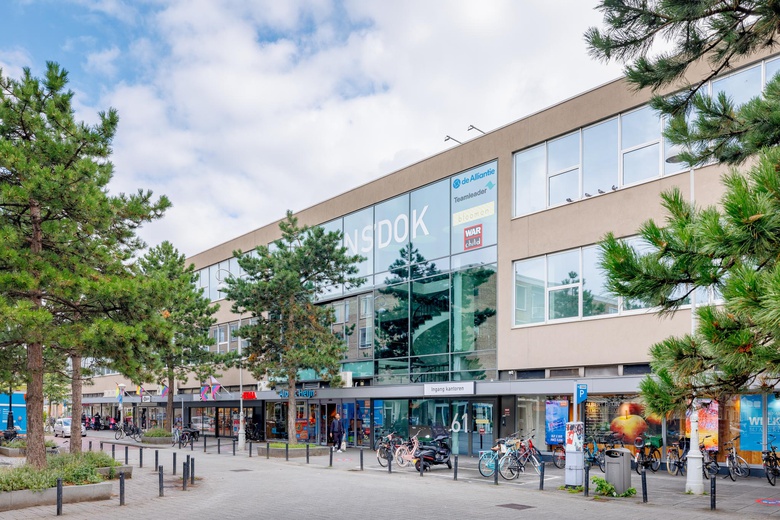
<point x="559" y="456"/>
<point x="181" y="436"/>
<point x="770" y="461"/>
<point x="386" y="446"/>
<point x="404" y="453"/>
<point x="489" y="459"/>
<point x="677" y="457"/>
<point x="647" y="456"/>
<point x="593" y="455"/>
<point x="737" y="466"/>
<point x="517" y="456"/>
<point x="709" y="466"/>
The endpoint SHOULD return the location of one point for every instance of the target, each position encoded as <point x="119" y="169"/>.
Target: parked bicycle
<point x="404" y="453"/>
<point x="518" y="455"/>
<point x="770" y="461"/>
<point x="559" y="456"/>
<point x="386" y="446"/>
<point x="709" y="466"/>
<point x="489" y="459"/>
<point x="594" y="455"/>
<point x="677" y="457"/>
<point x="183" y="435"/>
<point x="647" y="455"/>
<point x="128" y="430"/>
<point x="737" y="466"/>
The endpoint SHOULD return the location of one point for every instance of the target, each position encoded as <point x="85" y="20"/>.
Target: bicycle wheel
<point x="710" y="469"/>
<point x="559" y="457"/>
<point x="381" y="456"/>
<point x="770" y="469"/>
<point x="487" y="465"/>
<point x="401" y="456"/>
<point x="535" y="463"/>
<point x="509" y="467"/>
<point x="599" y="459"/>
<point x="741" y="467"/>
<point x="655" y="459"/>
<point x="120" y="433"/>
<point x="731" y="465"/>
<point x="639" y="460"/>
<point x="672" y="462"/>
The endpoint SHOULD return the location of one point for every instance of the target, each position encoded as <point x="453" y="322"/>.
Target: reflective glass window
<point x="529" y="291"/>
<point x="596" y="299"/>
<point x="563" y="268"/>
<point x="530" y="180"/>
<point x="641" y="164"/>
<point x="391" y="321"/>
<point x="740" y="87"/>
<point x="564" y="303"/>
<point x="563" y="153"/>
<point x="359" y="239"/>
<point x="564" y="187"/>
<point x="639" y="127"/>
<point x="430" y="315"/>
<point x="641" y="247"/>
<point x="474" y="258"/>
<point x="600" y="158"/>
<point x="772" y="68"/>
<point x="473" y="310"/>
<point x="392" y="371"/>
<point x="391" y="233"/>
<point x="429" y="221"/>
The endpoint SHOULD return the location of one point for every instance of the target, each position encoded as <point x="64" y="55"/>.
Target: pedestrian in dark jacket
<point x="336" y="432"/>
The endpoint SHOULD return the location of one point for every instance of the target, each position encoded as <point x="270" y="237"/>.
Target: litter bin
<point x="618" y="470"/>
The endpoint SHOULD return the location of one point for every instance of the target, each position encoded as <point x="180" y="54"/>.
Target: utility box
<point x="618" y="469"/>
<point x="575" y="455"/>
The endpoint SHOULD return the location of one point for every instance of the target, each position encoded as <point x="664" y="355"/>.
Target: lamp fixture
<point x="448" y="138"/>
<point x="472" y="127"/>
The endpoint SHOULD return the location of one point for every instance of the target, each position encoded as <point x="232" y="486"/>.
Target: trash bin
<point x="618" y="470"/>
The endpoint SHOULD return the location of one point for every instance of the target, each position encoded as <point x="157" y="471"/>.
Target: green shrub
<point x="157" y="432"/>
<point x="72" y="469"/>
<point x="21" y="443"/>
<point x="608" y="490"/>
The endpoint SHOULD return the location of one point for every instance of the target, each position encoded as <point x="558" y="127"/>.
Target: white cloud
<point x="103" y="62"/>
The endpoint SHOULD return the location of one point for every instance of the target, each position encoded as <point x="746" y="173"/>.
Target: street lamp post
<point x="241" y="418"/>
<point x="121" y="405"/>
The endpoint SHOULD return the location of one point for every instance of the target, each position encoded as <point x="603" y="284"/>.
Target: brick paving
<point x="236" y="487"/>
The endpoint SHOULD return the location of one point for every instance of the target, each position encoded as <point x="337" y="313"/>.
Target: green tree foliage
<point x="716" y="32"/>
<point x="186" y="318"/>
<point x="289" y="332"/>
<point x="66" y="283"/>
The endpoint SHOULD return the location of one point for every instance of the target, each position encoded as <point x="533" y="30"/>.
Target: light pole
<point x="241" y="419"/>
<point x="121" y="405"/>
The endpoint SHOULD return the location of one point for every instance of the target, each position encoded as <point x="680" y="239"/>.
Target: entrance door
<point x="482" y="432"/>
<point x="460" y="427"/>
<point x="327" y="412"/>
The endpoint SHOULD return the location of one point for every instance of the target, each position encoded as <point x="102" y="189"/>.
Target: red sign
<point x="472" y="237"/>
<point x="249" y="395"/>
<point x="482" y="431"/>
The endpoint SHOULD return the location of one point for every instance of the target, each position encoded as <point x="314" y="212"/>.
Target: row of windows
<point x="622" y="151"/>
<point x="571" y="285"/>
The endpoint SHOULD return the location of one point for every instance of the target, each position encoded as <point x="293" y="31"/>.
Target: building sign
<point x="472" y="237"/>
<point x="455" y="388"/>
<point x="302" y="394"/>
<point x="474" y="195"/>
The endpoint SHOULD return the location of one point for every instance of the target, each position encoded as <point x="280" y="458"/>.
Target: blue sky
<point x="239" y="110"/>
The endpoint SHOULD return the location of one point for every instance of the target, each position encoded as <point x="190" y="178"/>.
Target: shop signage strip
<point x="455" y="388"/>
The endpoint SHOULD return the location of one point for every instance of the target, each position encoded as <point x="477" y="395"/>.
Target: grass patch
<point x="73" y="469"/>
<point x="292" y="446"/>
<point x="21" y="443"/>
<point x="157" y="432"/>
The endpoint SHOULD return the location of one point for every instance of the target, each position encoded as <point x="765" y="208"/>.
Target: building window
<point x="367" y="306"/>
<point x="366" y="337"/>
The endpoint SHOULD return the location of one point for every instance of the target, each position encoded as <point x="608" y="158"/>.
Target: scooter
<point x="433" y="453"/>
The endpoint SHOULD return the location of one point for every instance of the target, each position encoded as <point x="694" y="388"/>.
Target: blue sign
<point x="582" y="394"/>
<point x="751" y="422"/>
<point x="556" y="416"/>
<point x="19" y="408"/>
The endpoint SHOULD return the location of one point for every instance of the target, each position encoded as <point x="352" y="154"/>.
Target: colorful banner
<point x="556" y="415"/>
<point x="708" y="423"/>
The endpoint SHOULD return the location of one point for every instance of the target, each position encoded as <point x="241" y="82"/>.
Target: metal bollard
<point x="156" y="459"/>
<point x="59" y="497"/>
<point x="141" y="457"/>
<point x="495" y="471"/>
<point x="644" y="486"/>
<point x="90" y="445"/>
<point x="541" y="475"/>
<point x="361" y="458"/>
<point x="455" y="472"/>
<point x="192" y="445"/>
<point x="184" y="476"/>
<point x="160" y="479"/>
<point x="192" y="470"/>
<point x="174" y="462"/>
<point x="586" y="484"/>
<point x="712" y="493"/>
<point x="121" y="488"/>
<point x="204" y="444"/>
<point x="330" y="460"/>
<point x="127" y="455"/>
<point x="250" y="449"/>
<point x="287" y="451"/>
<point x="389" y="464"/>
<point x="113" y="451"/>
<point x="234" y="447"/>
<point x="267" y="450"/>
<point x="101" y="445"/>
<point x="307" y="453"/>
<point x="179" y="441"/>
<point x="219" y="445"/>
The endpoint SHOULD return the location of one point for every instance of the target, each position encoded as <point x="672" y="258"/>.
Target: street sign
<point x="582" y="393"/>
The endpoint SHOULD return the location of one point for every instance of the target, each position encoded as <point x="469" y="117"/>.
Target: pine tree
<point x="66" y="281"/>
<point x="187" y="316"/>
<point x="289" y="332"/>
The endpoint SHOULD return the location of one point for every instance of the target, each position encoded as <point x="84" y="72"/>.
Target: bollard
<point x="541" y="475"/>
<point x="101" y="445"/>
<point x="495" y="471"/>
<point x="250" y="449"/>
<point x="174" y="462"/>
<point x="712" y="493"/>
<point x="179" y="441"/>
<point x="287" y="451"/>
<point x="585" y="486"/>
<point x="307" y="453"/>
<point x="267" y="450"/>
<point x="361" y="458"/>
<point x="59" y="497"/>
<point x="90" y="445"/>
<point x="160" y="479"/>
<point x="422" y="466"/>
<point x="644" y="486"/>
<point x="204" y="444"/>
<point x="141" y="457"/>
<point x="330" y="460"/>
<point x="234" y="447"/>
<point x="127" y="455"/>
<point x="156" y="459"/>
<point x="389" y="464"/>
<point x="219" y="445"/>
<point x="192" y="470"/>
<point x="113" y="451"/>
<point x="184" y="476"/>
<point x="121" y="488"/>
<point x="455" y="472"/>
<point x="192" y="445"/>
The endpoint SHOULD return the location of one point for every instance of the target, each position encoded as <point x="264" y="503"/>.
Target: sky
<point x="238" y="110"/>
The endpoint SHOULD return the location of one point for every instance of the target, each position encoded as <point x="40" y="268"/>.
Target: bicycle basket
<point x="639" y="443"/>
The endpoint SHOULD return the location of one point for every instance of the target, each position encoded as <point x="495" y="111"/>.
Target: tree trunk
<point x="76" y="388"/>
<point x="292" y="413"/>
<point x="170" y="404"/>
<point x="36" y="451"/>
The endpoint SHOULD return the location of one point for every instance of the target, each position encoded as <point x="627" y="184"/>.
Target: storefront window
<point x="425" y="413"/>
<point x="276" y="420"/>
<point x="391" y="415"/>
<point x="624" y="417"/>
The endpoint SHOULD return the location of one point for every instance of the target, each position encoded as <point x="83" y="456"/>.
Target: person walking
<point x="336" y="432"/>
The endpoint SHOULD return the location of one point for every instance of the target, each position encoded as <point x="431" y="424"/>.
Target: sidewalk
<point x="240" y="486"/>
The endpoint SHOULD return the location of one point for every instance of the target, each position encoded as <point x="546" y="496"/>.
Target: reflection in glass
<point x="391" y="232"/>
<point x="600" y="158"/>
<point x="424" y="413"/>
<point x="640" y="127"/>
<point x="392" y="371"/>
<point x="487" y="255"/>
<point x="430" y="319"/>
<point x="530" y="181"/>
<point x="596" y="298"/>
<point x="564" y="186"/>
<point x="529" y="291"/>
<point x="740" y="87"/>
<point x="391" y="321"/>
<point x="562" y="268"/>
<point x="391" y="415"/>
<point x="359" y="239"/>
<point x="564" y="303"/>
<point x="641" y="164"/>
<point x="563" y="153"/>
<point x="430" y="220"/>
<point x="474" y="309"/>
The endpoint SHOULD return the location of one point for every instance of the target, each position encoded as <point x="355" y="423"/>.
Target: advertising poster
<point x="474" y="198"/>
<point x="708" y="424"/>
<point x="751" y="422"/>
<point x="20" y="412"/>
<point x="773" y="415"/>
<point x="575" y="437"/>
<point x="556" y="415"/>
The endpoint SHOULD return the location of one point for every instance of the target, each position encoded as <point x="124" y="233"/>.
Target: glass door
<point x="460" y="427"/>
<point x="482" y="434"/>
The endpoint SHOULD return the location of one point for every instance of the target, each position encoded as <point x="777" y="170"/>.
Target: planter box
<point x="70" y="494"/>
<point x="157" y="440"/>
<point x="294" y="453"/>
<point x="21" y="452"/>
<point x="117" y="470"/>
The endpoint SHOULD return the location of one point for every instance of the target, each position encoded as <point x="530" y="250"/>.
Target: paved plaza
<point x="240" y="486"/>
